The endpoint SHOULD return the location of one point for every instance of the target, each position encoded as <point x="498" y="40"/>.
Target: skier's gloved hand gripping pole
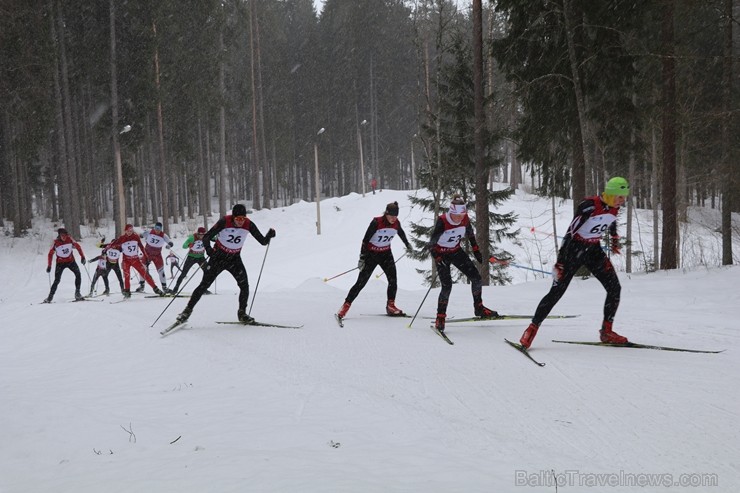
<point x="175" y="296"/>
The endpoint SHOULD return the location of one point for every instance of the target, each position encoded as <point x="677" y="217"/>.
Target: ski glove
<point x="48" y="269"/>
<point x="270" y="234"/>
<point x="83" y="260"/>
<point x="170" y="245"/>
<point x="361" y="262"/>
<point x="616" y="248"/>
<point x="557" y="272"/>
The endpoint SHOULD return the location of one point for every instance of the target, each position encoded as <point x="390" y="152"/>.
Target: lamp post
<point x="316" y="182"/>
<point x="362" y="161"/>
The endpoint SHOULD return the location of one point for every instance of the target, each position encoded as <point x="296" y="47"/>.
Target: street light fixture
<point x="316" y="178"/>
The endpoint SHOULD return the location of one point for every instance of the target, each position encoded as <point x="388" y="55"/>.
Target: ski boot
<point x="185" y="314"/>
<point x="78" y="296"/>
<point x="392" y="310"/>
<point x="609" y="336"/>
<point x="439" y="322"/>
<point x="483" y="312"/>
<point x="528" y="336"/>
<point x="140" y="289"/>
<point x="343" y="310"/>
<point x="242" y="316"/>
<point x="106" y="292"/>
<point x="47" y="300"/>
<point x="158" y="291"/>
<point x="126" y="293"/>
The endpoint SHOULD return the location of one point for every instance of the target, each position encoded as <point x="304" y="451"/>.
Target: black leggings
<point x="109" y="266"/>
<point x="372" y="260"/>
<point x="460" y="260"/>
<point x="217" y="263"/>
<point x="596" y="261"/>
<point x="189" y="262"/>
<point x="58" y="276"/>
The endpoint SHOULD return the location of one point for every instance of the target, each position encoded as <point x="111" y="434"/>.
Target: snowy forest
<point x="137" y="111"/>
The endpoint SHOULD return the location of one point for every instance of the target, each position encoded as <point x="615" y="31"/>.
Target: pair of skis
<point x="446" y="338"/>
<point x="178" y="324"/>
<point x="340" y="320"/>
<point x="633" y="345"/>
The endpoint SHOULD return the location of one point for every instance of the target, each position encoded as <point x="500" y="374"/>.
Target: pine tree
<point x="450" y="169"/>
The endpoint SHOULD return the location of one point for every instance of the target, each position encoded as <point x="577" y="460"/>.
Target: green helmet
<point x="617" y="186"/>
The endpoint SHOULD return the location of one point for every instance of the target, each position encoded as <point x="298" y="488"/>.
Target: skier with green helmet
<point x="581" y="246"/>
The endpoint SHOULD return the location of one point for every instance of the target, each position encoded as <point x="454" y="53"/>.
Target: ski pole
<point x="494" y="260"/>
<point x="382" y="273"/>
<point x="87" y="272"/>
<point x="258" y="279"/>
<point x="343" y="273"/>
<point x="434" y="278"/>
<point x="175" y="296"/>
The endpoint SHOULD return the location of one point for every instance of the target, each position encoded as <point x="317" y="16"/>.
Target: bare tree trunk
<point x="481" y="175"/>
<point x="163" y="177"/>
<point x="62" y="163"/>
<point x="222" y="133"/>
<point x="73" y="221"/>
<point x="267" y="191"/>
<point x="255" y="134"/>
<point x="205" y="197"/>
<point x="151" y="171"/>
<point x="654" y="196"/>
<point x="730" y="176"/>
<point x="668" y="196"/>
<point x="631" y="204"/>
<point x="581" y="158"/>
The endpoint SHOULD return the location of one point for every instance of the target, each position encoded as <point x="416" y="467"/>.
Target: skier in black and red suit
<point x="444" y="246"/>
<point x="581" y="245"/>
<point x="229" y="232"/>
<point x="64" y="246"/>
<point x="376" y="251"/>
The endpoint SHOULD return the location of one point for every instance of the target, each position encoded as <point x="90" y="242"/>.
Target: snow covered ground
<point x="93" y="399"/>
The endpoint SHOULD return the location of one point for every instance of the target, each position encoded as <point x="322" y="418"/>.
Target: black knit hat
<point x="392" y="209"/>
<point x="62" y="231"/>
<point x="239" y="210"/>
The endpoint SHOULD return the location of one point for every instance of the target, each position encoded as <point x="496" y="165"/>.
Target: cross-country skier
<point x="100" y="271"/>
<point x="230" y="232"/>
<point x="196" y="255"/>
<point x="581" y="246"/>
<point x="174" y="262"/>
<point x="444" y="246"/>
<point x="130" y="245"/>
<point x="155" y="240"/>
<point x="64" y="246"/>
<point x="376" y="250"/>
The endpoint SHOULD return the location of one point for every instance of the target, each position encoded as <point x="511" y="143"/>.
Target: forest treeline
<point x="142" y="111"/>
